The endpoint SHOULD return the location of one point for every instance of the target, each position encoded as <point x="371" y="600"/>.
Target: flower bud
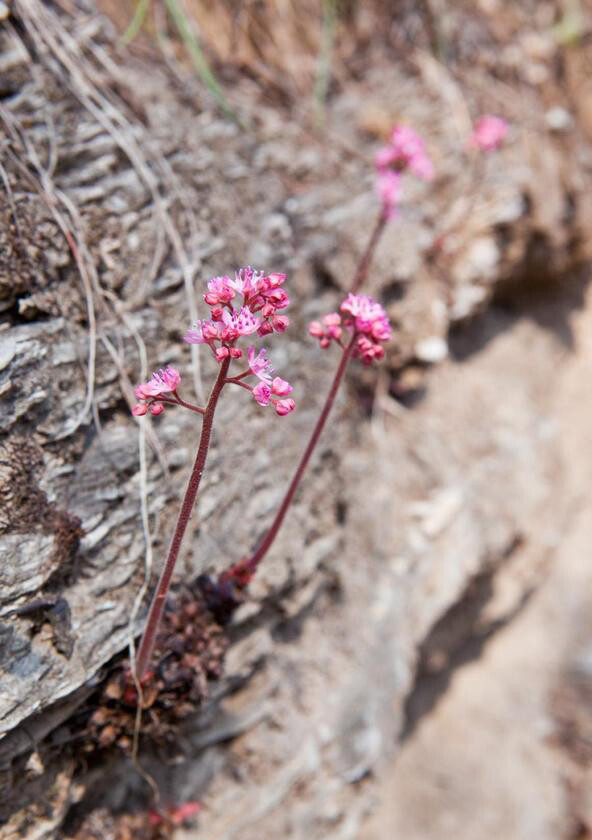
<point x="284" y="407"/>
<point x="280" y="387"/>
<point x="280" y="323"/>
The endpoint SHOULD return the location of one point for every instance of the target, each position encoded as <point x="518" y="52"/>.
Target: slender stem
<point x="267" y="541"/>
<point x="158" y="601"/>
<point x="198" y="409"/>
<point x="366" y="258"/>
<point x="360" y="276"/>
<point x="235" y="380"/>
<point x="179" y="401"/>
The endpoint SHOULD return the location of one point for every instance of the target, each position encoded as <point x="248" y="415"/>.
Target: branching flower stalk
<point x="366" y="319"/>
<point x="260" y="312"/>
<point x="365" y="327"/>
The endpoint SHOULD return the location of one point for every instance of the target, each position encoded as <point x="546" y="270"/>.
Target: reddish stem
<point x="265" y="545"/>
<point x="366" y="258"/>
<point x="250" y="564"/>
<point x="235" y="380"/>
<point x="158" y="601"/>
<point x="176" y="400"/>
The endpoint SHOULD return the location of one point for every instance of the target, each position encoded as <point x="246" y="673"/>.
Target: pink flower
<point x="489" y="133"/>
<point x="156" y="408"/>
<point x="280" y="387"/>
<point x="407" y="150"/>
<point x="203" y="332"/>
<point x="220" y="290"/>
<point x="246" y="281"/>
<point x="139" y="410"/>
<point x="411" y="151"/>
<point x="262" y="393"/>
<point x="369" y="351"/>
<point x="241" y="323"/>
<point x="332" y="324"/>
<point x="259" y="365"/>
<point x="277" y="299"/>
<point x="280" y="323"/>
<point x="274" y="280"/>
<point x="161" y="382"/>
<point x="368" y="315"/>
<point x="284" y="407"/>
<point x="327" y="331"/>
<point x="385" y="158"/>
<point x="370" y="323"/>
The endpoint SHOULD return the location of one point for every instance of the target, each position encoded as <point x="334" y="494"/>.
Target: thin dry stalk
<point x="75" y="72"/>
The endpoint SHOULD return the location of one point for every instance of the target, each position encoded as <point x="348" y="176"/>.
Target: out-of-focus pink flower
<point x="367" y="350"/>
<point x="385" y="158"/>
<point x="410" y="150"/>
<point x="369" y="323"/>
<point x="362" y="316"/>
<point x="284" y="407"/>
<point x="368" y="317"/>
<point x="280" y="387"/>
<point x="489" y="133"/>
<point x="327" y="331"/>
<point x="262" y="393"/>
<point x="407" y="150"/>
<point x="259" y="365"/>
<point x="156" y="408"/>
<point x="139" y="410"/>
<point x="332" y="324"/>
<point x="388" y="187"/>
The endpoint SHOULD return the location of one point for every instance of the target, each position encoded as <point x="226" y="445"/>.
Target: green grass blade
<point x="198" y="59"/>
<point x="137" y="22"/>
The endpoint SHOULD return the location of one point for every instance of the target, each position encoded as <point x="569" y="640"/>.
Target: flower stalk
<point x="271" y="534"/>
<point x="159" y="598"/>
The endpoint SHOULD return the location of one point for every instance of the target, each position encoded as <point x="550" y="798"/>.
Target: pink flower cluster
<point x="489" y="133"/>
<point x="362" y="316"/>
<point x="406" y="151"/>
<point x="164" y="381"/>
<point x="262" y="298"/>
<point x="268" y="386"/>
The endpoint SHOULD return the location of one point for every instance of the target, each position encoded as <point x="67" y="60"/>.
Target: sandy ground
<point x="485" y="763"/>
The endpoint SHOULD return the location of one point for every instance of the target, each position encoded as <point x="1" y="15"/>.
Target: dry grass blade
<point x="76" y="73"/>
